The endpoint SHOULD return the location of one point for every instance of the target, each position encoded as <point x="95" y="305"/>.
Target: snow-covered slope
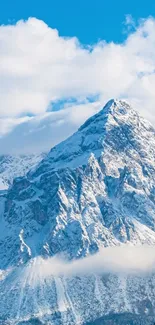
<point x="13" y="166"/>
<point x="96" y="189"/>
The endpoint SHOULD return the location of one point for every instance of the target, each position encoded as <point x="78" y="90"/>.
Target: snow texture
<point x="96" y="189"/>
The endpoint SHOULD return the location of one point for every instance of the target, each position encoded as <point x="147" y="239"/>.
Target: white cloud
<point x="127" y="260"/>
<point x="38" y="67"/>
<point x="40" y="133"/>
<point x="8" y="124"/>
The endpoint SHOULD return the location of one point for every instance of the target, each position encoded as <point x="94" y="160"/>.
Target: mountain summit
<point x="93" y="190"/>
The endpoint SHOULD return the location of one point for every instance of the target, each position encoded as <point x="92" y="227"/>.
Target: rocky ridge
<point x="95" y="189"/>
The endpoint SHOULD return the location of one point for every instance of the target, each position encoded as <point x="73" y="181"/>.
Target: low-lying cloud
<point x="115" y="260"/>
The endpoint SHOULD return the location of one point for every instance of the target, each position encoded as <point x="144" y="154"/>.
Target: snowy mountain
<point x="13" y="166"/>
<point x="95" y="189"/>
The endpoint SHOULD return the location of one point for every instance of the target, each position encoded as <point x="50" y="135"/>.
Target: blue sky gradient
<point x="89" y="20"/>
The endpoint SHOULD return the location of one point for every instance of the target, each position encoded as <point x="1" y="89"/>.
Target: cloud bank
<point x="116" y="260"/>
<point x="39" y="69"/>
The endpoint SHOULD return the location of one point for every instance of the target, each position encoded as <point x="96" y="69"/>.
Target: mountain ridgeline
<point x="95" y="189"/>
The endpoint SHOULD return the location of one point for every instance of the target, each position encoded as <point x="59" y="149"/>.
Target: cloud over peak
<point x="39" y="68"/>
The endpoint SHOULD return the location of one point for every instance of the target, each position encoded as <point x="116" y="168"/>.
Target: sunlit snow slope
<point x="95" y="189"/>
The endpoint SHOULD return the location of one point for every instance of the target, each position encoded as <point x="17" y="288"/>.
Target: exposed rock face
<point x="96" y="189"/>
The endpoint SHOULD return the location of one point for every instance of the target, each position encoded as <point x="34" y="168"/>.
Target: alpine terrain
<point x="12" y="166"/>
<point x="96" y="189"/>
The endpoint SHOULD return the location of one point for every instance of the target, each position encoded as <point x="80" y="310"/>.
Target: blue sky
<point x="89" y="20"/>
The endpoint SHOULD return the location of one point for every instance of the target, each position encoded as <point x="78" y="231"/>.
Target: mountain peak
<point x="95" y="189"/>
<point x="113" y="108"/>
<point x="116" y="108"/>
<point x="114" y="127"/>
<point x="114" y="105"/>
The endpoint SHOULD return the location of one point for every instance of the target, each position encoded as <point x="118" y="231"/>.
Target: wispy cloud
<point x="41" y="132"/>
